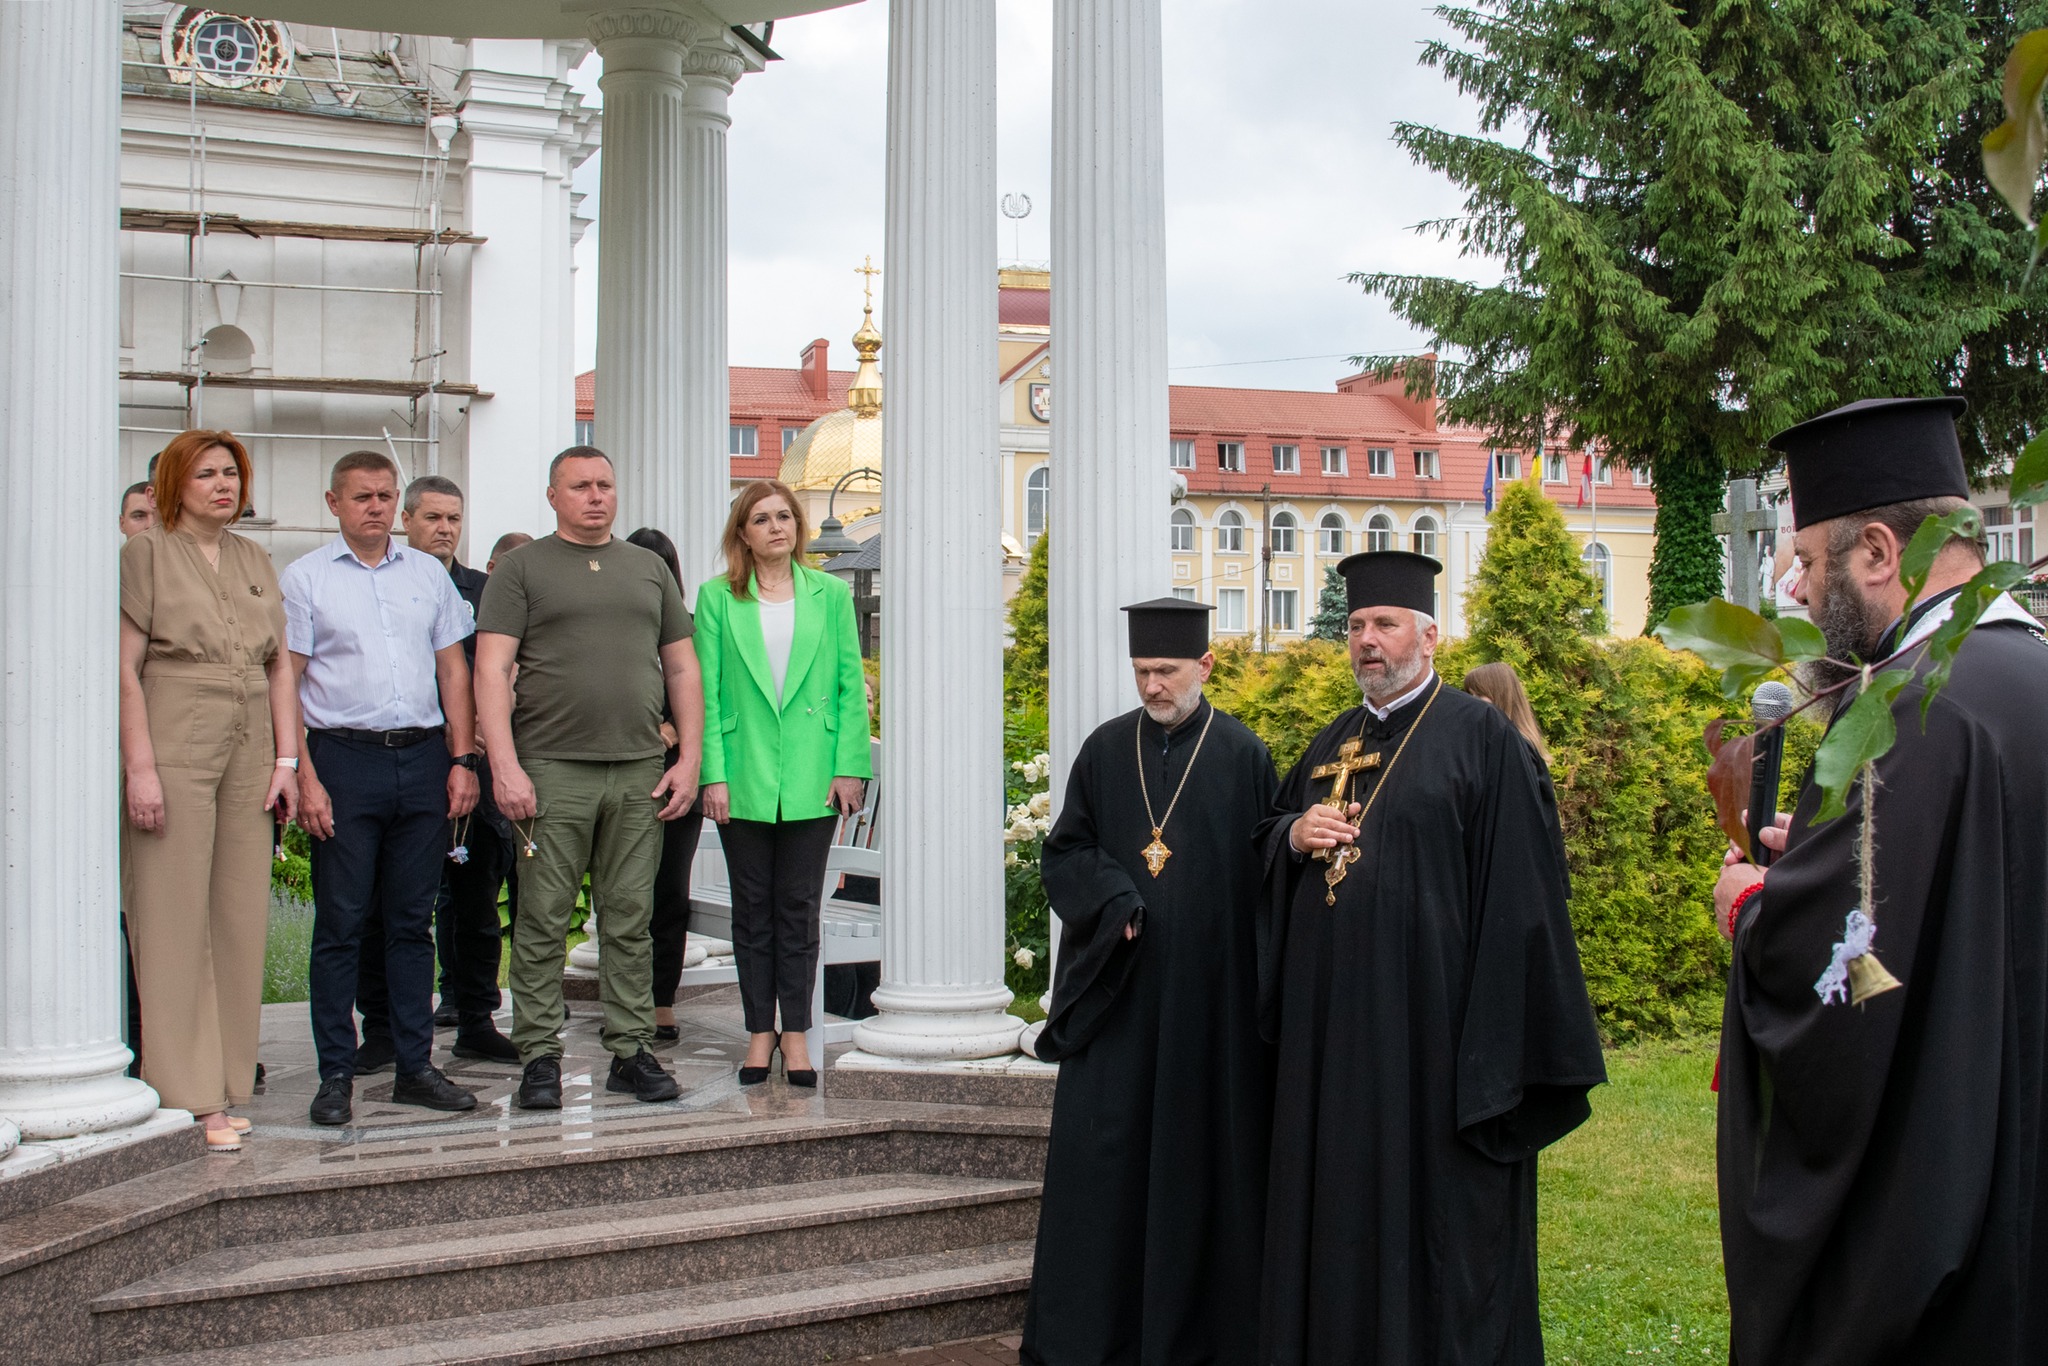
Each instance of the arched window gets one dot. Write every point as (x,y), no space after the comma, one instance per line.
(1379,532)
(228,350)
(1600,564)
(1230,533)
(1284,528)
(1181,529)
(1330,534)
(1037,487)
(1424,538)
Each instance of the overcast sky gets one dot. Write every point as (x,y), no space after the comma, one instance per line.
(1281,176)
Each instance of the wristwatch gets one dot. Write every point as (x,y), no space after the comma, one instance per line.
(472,762)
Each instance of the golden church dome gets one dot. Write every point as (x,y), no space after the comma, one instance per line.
(851,438)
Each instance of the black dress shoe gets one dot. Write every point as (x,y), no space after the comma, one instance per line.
(643,1076)
(432,1090)
(667,1033)
(484,1043)
(753,1076)
(540,1086)
(375,1054)
(447,1017)
(336,1102)
(259,1077)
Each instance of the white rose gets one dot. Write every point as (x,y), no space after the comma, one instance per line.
(1040,805)
(1010,860)
(1024,958)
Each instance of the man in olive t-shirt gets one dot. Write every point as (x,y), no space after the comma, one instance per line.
(599,636)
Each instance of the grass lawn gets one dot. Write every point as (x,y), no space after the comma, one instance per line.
(1629,1242)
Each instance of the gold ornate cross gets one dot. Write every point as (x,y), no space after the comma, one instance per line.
(871,270)
(1349,761)
(1156,853)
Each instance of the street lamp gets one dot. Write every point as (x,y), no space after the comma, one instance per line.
(832,538)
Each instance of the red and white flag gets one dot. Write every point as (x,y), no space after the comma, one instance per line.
(1586,480)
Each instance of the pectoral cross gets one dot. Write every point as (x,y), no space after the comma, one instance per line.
(1156,853)
(1349,761)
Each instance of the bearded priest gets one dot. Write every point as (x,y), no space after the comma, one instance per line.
(1418,971)
(1155,1179)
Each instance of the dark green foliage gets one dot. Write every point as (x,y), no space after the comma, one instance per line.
(1687,563)
(1711,221)
(1332,609)
(1532,603)
(1024,660)
(1026,913)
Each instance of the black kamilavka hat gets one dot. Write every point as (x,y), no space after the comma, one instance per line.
(1872,453)
(1390,578)
(1169,628)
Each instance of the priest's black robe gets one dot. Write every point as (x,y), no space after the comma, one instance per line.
(1155,1180)
(1434,1035)
(1884,1167)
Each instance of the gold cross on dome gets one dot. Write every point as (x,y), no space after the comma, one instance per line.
(869,269)
(1347,762)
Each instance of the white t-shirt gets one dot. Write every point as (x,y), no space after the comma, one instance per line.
(778,632)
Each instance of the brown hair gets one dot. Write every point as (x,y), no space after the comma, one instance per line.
(739,559)
(1497,683)
(374,461)
(174,465)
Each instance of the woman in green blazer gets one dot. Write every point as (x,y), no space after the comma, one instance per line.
(785,754)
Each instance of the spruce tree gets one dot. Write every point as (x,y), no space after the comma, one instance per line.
(1714,220)
(1024,661)
(1333,609)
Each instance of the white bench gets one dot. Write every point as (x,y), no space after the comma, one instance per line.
(852,930)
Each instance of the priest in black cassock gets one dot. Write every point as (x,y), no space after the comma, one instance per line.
(1155,1180)
(1418,971)
(1884,1119)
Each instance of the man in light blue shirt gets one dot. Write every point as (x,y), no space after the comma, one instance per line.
(375,631)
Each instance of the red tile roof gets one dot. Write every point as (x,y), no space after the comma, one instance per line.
(1028,307)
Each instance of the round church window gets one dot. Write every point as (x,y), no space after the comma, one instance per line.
(225,46)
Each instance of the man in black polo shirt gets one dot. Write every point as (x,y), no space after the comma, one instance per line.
(467,932)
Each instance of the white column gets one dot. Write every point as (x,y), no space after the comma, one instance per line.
(690,498)
(642,301)
(942,994)
(515,109)
(61,1057)
(1110,483)
(1110,427)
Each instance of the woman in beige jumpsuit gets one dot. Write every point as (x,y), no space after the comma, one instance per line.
(209,748)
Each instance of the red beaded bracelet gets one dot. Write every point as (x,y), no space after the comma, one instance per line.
(1735,906)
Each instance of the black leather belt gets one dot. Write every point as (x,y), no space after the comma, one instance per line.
(386,739)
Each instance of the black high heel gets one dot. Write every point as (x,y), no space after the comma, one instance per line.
(754,1076)
(797,1076)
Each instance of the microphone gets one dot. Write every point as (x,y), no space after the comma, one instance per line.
(1772,702)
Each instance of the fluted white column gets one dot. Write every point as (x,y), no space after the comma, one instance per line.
(942,994)
(643,308)
(62,1062)
(1110,427)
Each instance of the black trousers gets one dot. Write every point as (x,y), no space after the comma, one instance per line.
(670,922)
(777,870)
(468,937)
(389,842)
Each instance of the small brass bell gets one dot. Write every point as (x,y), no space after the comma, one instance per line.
(1868,978)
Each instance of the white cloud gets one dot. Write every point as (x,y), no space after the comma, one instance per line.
(1281,176)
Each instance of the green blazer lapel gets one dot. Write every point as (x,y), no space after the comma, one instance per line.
(753,646)
(810,628)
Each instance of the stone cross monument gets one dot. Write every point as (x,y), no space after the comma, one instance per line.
(1743,524)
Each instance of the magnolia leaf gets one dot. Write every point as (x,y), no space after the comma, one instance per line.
(1917,561)
(1978,594)
(1802,639)
(1728,781)
(2029,482)
(2013,151)
(1861,735)
(1734,640)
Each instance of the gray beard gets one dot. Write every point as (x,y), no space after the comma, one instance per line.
(1398,679)
(1171,713)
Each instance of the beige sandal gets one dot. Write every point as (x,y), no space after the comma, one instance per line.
(223,1141)
(239,1125)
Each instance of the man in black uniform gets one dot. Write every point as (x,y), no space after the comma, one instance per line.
(1884,1160)
(1155,1181)
(467,936)
(1418,970)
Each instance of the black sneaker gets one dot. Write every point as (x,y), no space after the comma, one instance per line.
(336,1102)
(481,1040)
(643,1076)
(540,1086)
(431,1089)
(447,1017)
(375,1054)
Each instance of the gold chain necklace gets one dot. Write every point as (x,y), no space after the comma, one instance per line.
(1343,856)
(1156,853)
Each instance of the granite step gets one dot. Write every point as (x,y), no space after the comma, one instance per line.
(793,1318)
(254,1293)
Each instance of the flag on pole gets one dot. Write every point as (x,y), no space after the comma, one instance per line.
(1491,461)
(1586,480)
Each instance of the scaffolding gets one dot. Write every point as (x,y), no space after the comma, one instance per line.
(429,241)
